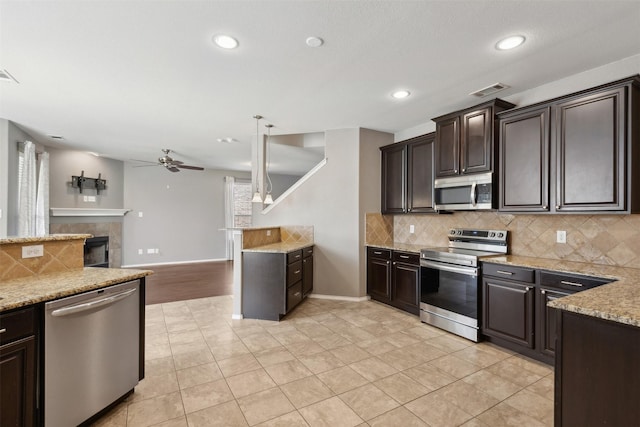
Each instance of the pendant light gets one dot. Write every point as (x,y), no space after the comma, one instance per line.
(257,198)
(268,199)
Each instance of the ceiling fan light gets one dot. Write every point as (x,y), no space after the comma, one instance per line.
(268,199)
(257,198)
(510,42)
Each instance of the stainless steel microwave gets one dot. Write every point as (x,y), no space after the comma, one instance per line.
(464,192)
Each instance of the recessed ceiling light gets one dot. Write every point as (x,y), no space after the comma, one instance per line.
(228,140)
(225,42)
(401,94)
(314,41)
(510,42)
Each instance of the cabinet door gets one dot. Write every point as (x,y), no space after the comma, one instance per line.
(17,384)
(447,147)
(547,321)
(307,276)
(590,138)
(393,179)
(405,292)
(524,162)
(420,175)
(379,279)
(476,144)
(508,311)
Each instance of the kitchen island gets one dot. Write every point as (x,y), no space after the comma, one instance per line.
(36,272)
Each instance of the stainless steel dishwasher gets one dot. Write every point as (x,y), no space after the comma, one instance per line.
(91,352)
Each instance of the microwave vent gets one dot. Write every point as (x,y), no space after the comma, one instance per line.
(489,90)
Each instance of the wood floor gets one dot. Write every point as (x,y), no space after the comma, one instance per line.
(180,282)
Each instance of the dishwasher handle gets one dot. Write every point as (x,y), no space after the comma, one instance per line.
(91,305)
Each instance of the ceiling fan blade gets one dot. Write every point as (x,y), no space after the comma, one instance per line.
(173,168)
(175,162)
(195,168)
(143,161)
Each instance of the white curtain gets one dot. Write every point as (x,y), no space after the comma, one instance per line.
(228,213)
(33,196)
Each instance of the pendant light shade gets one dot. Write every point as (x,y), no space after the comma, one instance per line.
(268,199)
(257,198)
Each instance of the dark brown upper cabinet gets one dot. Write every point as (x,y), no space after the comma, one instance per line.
(464,141)
(574,153)
(407,176)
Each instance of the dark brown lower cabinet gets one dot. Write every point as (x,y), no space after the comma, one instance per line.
(393,277)
(379,274)
(405,281)
(508,311)
(597,376)
(18,368)
(274,283)
(546,334)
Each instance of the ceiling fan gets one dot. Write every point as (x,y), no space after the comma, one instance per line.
(169,163)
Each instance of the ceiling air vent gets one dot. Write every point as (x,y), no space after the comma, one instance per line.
(4,75)
(489,90)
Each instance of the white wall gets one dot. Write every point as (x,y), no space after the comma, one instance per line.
(183,213)
(4,175)
(330,201)
(577,82)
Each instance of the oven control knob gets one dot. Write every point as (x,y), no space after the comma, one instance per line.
(452,232)
(500,235)
(459,232)
(492,234)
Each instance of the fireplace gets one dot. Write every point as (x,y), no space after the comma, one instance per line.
(96,252)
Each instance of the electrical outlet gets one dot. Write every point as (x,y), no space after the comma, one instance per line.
(140,214)
(92,198)
(268,232)
(412,229)
(33,251)
(140,251)
(150,251)
(561,236)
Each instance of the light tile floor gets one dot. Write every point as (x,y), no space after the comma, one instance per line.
(329,363)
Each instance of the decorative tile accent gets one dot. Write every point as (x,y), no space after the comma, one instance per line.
(599,239)
(252,238)
(296,234)
(63,255)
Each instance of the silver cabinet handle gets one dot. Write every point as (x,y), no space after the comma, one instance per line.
(557,207)
(464,169)
(508,273)
(3,330)
(545,207)
(404,256)
(377,253)
(296,272)
(93,304)
(564,282)
(296,294)
(543,292)
(527,288)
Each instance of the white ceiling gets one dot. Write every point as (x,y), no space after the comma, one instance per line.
(127,78)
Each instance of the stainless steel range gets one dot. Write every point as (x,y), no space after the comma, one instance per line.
(450,279)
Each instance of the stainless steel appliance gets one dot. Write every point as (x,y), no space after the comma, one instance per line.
(91,354)
(465,192)
(449,286)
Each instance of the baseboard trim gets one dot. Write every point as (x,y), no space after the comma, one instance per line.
(237,316)
(340,298)
(174,263)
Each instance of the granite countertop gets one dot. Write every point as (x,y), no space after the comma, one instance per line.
(279,247)
(404,247)
(618,301)
(25,291)
(47,238)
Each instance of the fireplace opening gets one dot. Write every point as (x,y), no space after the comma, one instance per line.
(96,252)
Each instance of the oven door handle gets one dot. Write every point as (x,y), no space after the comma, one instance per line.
(468,271)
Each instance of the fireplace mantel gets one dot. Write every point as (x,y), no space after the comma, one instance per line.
(88,212)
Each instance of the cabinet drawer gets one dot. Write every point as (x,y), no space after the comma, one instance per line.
(307,252)
(294,256)
(570,282)
(378,253)
(294,273)
(17,324)
(406,257)
(508,272)
(294,295)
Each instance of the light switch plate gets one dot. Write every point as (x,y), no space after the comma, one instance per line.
(412,229)
(32,251)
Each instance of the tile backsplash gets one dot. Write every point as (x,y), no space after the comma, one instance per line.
(63,255)
(600,239)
